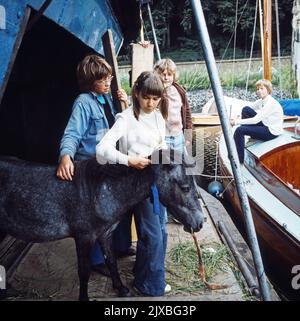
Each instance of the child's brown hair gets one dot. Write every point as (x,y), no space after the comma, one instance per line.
(149,83)
(90,69)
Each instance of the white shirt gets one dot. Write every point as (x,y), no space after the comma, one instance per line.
(136,137)
(269,111)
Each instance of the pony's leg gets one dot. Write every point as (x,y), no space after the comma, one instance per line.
(84,246)
(110,259)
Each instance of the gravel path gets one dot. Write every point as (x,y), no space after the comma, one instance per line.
(198,98)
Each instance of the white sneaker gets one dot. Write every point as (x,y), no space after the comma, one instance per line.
(168,288)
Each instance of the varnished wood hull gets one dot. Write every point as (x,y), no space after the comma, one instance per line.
(280,251)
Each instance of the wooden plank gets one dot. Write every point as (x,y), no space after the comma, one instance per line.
(11,253)
(205,119)
(110,56)
(142,60)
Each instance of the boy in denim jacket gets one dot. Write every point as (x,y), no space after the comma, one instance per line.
(92,115)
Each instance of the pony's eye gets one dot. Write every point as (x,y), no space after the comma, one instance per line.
(185,188)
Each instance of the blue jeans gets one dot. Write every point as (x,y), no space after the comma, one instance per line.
(257,131)
(121,240)
(149,266)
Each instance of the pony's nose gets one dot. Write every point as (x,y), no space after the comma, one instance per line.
(200,223)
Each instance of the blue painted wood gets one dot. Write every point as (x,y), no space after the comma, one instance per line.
(86,20)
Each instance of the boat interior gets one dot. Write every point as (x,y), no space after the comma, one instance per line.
(284,163)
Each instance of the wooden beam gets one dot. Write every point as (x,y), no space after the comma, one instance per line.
(110,56)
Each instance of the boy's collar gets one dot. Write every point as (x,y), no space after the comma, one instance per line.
(100,98)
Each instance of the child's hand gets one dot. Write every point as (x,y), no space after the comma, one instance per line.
(123,96)
(65,170)
(138,162)
(144,43)
(232,122)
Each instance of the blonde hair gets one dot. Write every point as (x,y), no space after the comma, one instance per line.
(149,83)
(165,64)
(265,83)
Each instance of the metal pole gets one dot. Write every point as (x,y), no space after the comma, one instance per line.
(252,285)
(153,31)
(232,153)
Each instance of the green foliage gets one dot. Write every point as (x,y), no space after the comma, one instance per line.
(194,80)
(125,85)
(183,55)
(198,79)
(174,24)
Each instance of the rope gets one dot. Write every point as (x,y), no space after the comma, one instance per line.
(261,29)
(221,194)
(233,32)
(278,46)
(142,25)
(213,176)
(252,44)
(216,163)
(234,42)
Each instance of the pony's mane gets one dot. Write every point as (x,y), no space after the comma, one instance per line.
(89,174)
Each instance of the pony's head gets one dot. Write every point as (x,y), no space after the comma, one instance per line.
(177,187)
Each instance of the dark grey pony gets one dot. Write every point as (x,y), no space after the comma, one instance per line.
(36,206)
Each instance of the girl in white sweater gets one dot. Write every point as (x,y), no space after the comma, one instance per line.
(140,130)
(261,121)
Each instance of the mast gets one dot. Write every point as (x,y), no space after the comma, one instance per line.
(267,40)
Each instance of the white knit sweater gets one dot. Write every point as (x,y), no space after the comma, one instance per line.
(269,111)
(136,137)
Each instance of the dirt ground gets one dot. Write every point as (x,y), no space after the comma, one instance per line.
(49,272)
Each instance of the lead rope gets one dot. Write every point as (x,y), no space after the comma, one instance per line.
(210,286)
(142,25)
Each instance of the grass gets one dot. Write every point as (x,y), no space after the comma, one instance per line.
(192,80)
(183,267)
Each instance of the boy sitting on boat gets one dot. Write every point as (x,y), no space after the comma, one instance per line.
(264,120)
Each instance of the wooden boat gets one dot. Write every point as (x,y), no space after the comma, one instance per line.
(272,182)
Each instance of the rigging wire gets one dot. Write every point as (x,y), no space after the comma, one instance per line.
(222,58)
(252,44)
(234,43)
(261,24)
(216,162)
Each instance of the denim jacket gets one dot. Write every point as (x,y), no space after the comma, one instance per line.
(86,127)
